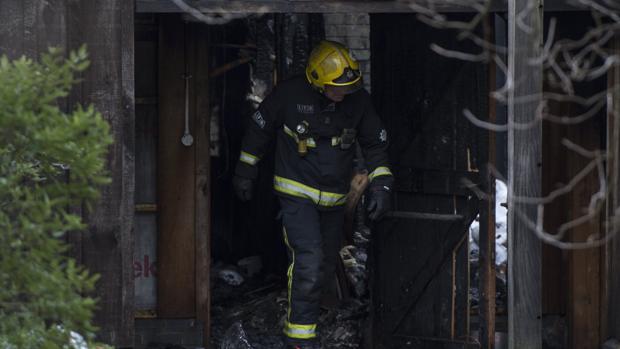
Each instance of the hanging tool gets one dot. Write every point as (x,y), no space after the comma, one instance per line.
(303,134)
(187,139)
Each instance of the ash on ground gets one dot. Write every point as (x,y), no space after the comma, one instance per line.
(251,315)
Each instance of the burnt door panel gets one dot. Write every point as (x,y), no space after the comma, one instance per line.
(421,271)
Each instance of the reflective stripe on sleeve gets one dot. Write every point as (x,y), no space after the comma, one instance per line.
(380,171)
(248,158)
(299,331)
(300,190)
(309,141)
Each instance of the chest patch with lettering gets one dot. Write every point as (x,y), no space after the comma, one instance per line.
(305,108)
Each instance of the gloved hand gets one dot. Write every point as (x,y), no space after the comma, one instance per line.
(244,187)
(380,203)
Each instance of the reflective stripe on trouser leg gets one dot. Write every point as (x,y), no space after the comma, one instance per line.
(289,272)
(301,222)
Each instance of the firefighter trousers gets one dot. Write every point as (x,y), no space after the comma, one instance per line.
(313,238)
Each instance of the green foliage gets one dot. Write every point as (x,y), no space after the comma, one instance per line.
(49,161)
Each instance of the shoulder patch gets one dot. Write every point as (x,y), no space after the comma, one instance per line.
(258,118)
(383,135)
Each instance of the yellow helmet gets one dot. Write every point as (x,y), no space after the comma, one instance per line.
(331,63)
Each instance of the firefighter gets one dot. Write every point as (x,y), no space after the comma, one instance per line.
(316,119)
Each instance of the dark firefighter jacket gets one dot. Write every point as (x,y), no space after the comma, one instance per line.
(324,173)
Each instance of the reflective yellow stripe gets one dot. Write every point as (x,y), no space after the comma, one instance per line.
(289,272)
(293,188)
(309,141)
(290,329)
(332,199)
(248,158)
(336,141)
(299,331)
(297,189)
(380,171)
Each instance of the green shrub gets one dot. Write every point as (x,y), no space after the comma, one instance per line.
(50,161)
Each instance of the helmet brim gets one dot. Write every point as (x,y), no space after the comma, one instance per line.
(347,88)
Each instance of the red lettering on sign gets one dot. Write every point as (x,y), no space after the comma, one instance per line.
(144,268)
(137,269)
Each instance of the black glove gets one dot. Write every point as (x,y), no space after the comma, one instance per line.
(380,203)
(243,187)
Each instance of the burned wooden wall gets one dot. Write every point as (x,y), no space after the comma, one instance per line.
(421,269)
(277,46)
(106,27)
(573,281)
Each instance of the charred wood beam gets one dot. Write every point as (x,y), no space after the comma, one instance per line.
(305,6)
(228,66)
(424,215)
(198,65)
(486,259)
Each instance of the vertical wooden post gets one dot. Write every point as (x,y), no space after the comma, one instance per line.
(613,203)
(486,259)
(200,67)
(107,28)
(524,175)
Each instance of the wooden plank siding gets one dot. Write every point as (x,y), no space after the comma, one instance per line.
(584,266)
(524,178)
(28,28)
(106,27)
(612,261)
(573,279)
(184,186)
(555,277)
(175,179)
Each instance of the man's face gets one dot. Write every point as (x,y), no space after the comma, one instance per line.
(336,93)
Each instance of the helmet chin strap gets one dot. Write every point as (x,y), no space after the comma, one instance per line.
(317,89)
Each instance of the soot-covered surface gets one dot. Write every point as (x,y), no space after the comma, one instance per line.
(249,313)
(251,316)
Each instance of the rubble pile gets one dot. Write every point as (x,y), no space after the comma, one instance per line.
(251,316)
